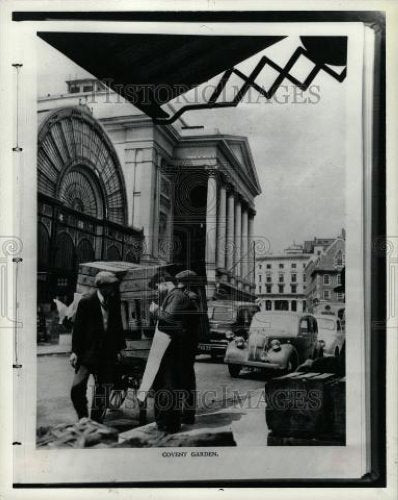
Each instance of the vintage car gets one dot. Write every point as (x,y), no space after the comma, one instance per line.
(228,319)
(277,341)
(331,335)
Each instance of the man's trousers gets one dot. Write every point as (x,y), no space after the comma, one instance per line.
(105,377)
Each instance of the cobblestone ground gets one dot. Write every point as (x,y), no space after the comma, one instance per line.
(216,389)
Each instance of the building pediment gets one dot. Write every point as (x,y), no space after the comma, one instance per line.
(231,154)
(240,148)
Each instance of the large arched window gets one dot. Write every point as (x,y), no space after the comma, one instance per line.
(78,164)
(78,189)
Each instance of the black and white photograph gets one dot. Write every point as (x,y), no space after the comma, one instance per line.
(196,200)
(216,237)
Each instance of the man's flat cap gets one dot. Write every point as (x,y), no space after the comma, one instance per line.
(161,276)
(105,278)
(187,276)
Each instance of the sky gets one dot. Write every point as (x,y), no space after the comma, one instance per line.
(297,142)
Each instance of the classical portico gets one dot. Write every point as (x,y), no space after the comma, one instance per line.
(231,185)
(229,249)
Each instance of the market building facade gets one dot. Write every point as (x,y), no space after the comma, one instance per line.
(113,186)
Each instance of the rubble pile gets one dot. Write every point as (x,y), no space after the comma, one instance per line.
(85,433)
(181,440)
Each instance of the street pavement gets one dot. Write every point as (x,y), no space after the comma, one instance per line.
(218,393)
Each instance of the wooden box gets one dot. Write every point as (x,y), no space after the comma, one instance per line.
(306,405)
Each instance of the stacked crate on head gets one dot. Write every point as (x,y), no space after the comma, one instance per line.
(135,293)
(88,271)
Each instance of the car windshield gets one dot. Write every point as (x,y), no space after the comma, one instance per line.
(274,323)
(222,313)
(326,324)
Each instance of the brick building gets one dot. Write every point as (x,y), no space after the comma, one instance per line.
(324,275)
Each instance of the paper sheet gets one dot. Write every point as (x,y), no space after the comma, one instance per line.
(159,345)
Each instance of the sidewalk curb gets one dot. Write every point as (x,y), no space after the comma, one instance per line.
(52,350)
(242,431)
(148,436)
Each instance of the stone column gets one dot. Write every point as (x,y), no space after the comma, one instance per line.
(211,221)
(245,243)
(147,201)
(222,228)
(238,232)
(155,222)
(250,240)
(230,243)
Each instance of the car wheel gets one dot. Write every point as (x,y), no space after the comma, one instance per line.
(234,370)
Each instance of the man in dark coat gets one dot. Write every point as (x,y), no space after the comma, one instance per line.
(163,283)
(175,385)
(97,340)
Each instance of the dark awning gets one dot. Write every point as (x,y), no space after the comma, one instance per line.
(150,70)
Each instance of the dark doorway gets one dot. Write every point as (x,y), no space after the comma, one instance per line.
(190,220)
(281,305)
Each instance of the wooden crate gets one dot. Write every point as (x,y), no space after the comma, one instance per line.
(134,280)
(338,408)
(306,405)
